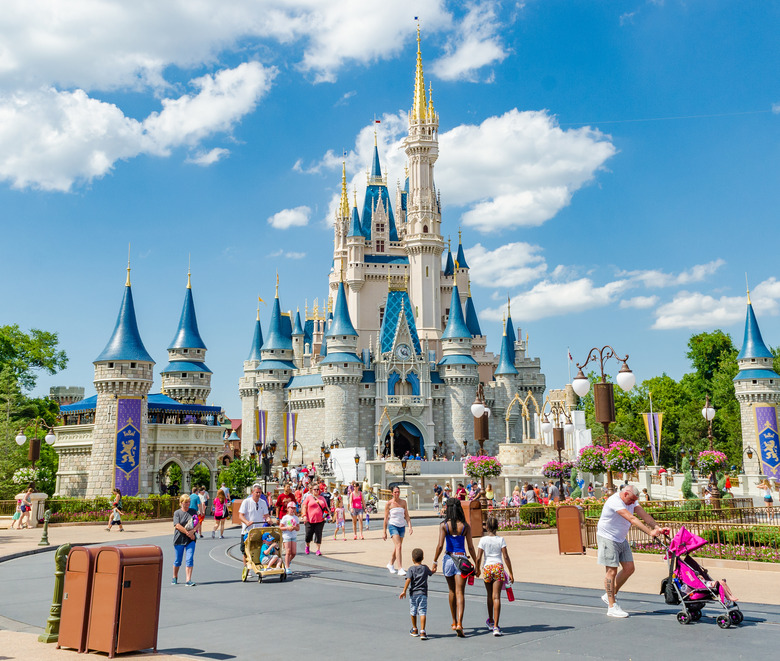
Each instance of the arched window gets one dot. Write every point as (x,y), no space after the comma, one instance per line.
(425,229)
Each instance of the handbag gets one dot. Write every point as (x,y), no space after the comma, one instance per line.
(463,565)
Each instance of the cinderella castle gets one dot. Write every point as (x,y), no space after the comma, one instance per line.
(398,345)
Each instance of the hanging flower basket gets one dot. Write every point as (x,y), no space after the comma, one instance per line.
(557,469)
(592,460)
(484,466)
(711,461)
(623,456)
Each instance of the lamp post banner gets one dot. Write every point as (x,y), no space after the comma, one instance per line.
(261,418)
(128,445)
(768,439)
(291,423)
(653,422)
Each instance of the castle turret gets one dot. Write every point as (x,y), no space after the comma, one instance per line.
(757,388)
(458,369)
(298,340)
(186,377)
(461,266)
(123,378)
(423,241)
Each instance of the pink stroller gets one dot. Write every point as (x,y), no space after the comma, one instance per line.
(689,584)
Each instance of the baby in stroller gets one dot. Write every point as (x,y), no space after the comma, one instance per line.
(690,585)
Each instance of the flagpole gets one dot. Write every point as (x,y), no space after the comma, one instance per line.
(653,450)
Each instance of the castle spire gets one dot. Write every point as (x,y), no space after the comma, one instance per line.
(419,105)
(341,324)
(456,324)
(187,334)
(344,210)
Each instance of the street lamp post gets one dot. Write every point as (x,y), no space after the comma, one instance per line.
(403,469)
(441,443)
(481,415)
(708,413)
(603,392)
(34,452)
(357,463)
(266,453)
(558,410)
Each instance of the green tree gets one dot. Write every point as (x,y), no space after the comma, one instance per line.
(24,353)
(239,475)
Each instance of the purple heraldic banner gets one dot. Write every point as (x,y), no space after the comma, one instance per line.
(768,440)
(128,446)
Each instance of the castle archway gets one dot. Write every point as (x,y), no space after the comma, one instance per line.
(407,438)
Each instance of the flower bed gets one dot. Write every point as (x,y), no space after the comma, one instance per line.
(515,526)
(77,510)
(482,466)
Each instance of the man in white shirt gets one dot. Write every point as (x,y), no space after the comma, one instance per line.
(620,512)
(253,511)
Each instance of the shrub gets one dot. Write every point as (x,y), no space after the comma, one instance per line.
(531,513)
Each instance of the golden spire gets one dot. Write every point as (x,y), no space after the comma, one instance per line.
(503,321)
(508,307)
(330,304)
(306,309)
(375,143)
(747,285)
(354,194)
(431,112)
(258,308)
(127,282)
(277,285)
(316,310)
(449,243)
(189,269)
(460,236)
(419,104)
(344,199)
(189,279)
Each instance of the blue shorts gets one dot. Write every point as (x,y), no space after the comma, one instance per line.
(448,566)
(396,530)
(181,550)
(418,604)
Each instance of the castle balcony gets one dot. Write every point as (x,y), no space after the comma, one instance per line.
(414,403)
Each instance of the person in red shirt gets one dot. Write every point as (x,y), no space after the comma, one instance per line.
(287,496)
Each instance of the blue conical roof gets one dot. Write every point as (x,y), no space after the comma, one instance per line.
(376,170)
(257,343)
(456,324)
(510,331)
(298,330)
(342,324)
(125,342)
(449,268)
(506,359)
(753,344)
(187,336)
(354,225)
(461,258)
(472,321)
(277,337)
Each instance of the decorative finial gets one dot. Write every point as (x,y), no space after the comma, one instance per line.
(388,279)
(375,143)
(449,243)
(508,307)
(127,282)
(526,340)
(419,103)
(748,288)
(189,271)
(276,295)
(503,323)
(306,309)
(330,304)
(460,236)
(406,282)
(344,198)
(354,193)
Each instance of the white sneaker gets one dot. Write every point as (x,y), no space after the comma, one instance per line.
(605,599)
(616,611)
(390,568)
(402,572)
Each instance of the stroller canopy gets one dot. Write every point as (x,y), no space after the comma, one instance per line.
(685,542)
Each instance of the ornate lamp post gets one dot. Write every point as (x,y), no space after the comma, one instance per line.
(403,469)
(441,443)
(34,453)
(267,452)
(708,413)
(603,392)
(285,463)
(558,410)
(357,463)
(335,443)
(481,415)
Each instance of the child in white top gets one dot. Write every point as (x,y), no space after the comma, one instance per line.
(289,525)
(339,518)
(496,570)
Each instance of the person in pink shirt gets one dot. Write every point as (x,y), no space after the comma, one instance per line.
(313,512)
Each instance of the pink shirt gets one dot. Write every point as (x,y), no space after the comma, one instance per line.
(314,507)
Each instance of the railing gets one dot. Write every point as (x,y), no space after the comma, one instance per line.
(7,507)
(730,541)
(384,494)
(655,478)
(405,400)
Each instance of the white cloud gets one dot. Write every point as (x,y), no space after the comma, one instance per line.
(695,310)
(287,218)
(51,139)
(476,44)
(639,302)
(550,299)
(654,278)
(517,169)
(209,157)
(287,254)
(776,108)
(510,265)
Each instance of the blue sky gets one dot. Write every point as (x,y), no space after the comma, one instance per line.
(613,165)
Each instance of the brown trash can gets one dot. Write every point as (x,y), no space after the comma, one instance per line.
(474,517)
(569,521)
(235,505)
(125,609)
(77,593)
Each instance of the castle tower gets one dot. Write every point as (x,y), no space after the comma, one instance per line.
(423,242)
(186,377)
(341,373)
(458,370)
(249,390)
(274,371)
(757,388)
(505,388)
(123,377)
(461,266)
(298,341)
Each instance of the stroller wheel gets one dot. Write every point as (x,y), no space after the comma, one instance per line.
(724,621)
(683,617)
(283,577)
(736,617)
(244,574)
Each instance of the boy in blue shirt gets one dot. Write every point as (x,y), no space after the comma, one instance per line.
(268,551)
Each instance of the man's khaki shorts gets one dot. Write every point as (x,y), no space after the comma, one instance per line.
(611,554)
